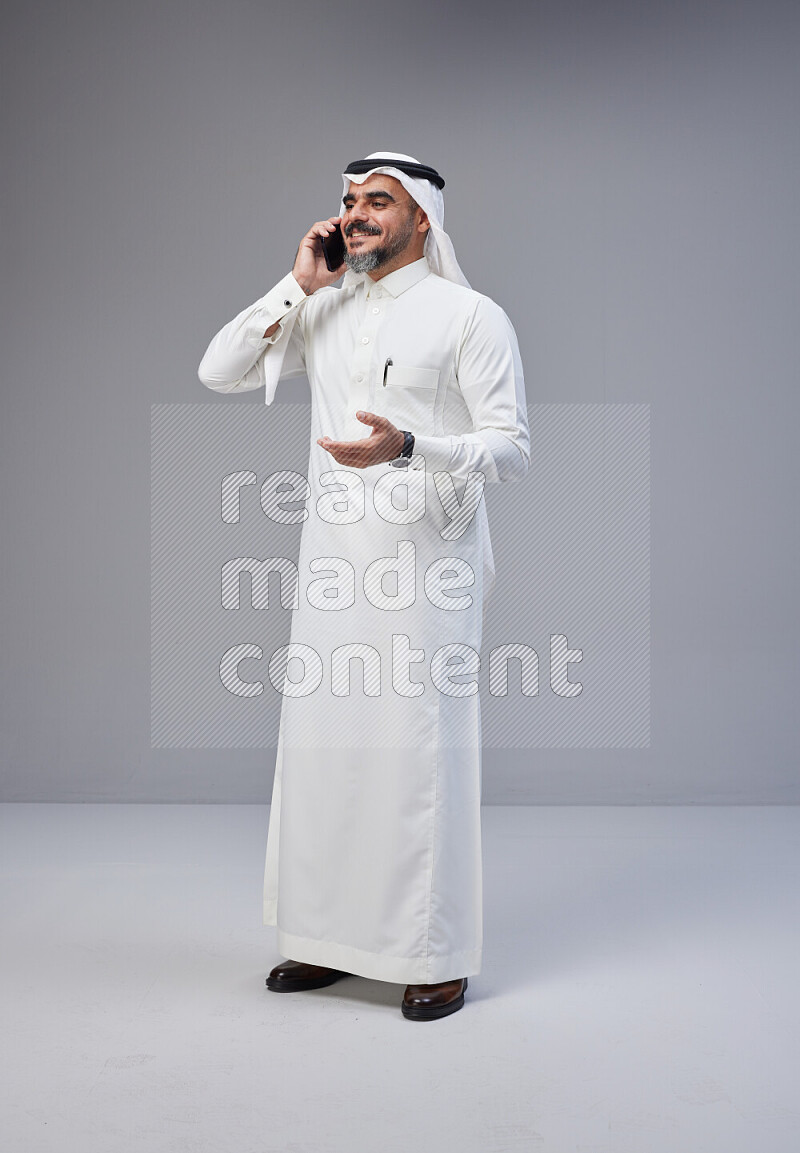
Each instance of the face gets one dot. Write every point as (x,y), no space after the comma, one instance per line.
(382,226)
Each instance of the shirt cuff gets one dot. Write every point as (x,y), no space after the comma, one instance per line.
(432,453)
(286,296)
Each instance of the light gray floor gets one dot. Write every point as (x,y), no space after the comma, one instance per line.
(638,994)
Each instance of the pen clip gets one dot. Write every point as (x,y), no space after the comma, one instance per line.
(386,369)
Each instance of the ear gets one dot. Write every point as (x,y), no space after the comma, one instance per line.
(423,224)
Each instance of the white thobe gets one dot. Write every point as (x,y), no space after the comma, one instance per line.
(373,860)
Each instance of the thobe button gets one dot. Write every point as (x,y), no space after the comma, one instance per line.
(376,311)
(288,303)
(359,377)
(365,340)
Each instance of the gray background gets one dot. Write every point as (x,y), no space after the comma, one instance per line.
(622,178)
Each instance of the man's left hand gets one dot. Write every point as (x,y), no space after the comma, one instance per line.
(384,443)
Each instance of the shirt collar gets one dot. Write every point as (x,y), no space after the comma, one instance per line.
(401,279)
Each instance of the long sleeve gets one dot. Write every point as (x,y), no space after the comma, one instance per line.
(489,374)
(240,357)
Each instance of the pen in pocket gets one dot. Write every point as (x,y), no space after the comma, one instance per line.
(386,369)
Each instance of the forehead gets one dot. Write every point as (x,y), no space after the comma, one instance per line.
(379,180)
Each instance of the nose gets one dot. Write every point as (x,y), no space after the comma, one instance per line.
(357,211)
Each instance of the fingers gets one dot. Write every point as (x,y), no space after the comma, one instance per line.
(358,453)
(382,423)
(344,447)
(323,227)
(374,449)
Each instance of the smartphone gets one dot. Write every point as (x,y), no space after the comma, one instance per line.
(333,249)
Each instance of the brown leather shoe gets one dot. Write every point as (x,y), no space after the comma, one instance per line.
(427,1002)
(292,976)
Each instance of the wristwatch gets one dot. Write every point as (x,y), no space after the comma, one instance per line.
(408,447)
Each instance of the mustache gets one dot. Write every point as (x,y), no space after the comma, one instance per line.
(369,229)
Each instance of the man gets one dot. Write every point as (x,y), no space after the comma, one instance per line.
(373,861)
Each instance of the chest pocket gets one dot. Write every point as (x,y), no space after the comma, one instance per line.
(408,397)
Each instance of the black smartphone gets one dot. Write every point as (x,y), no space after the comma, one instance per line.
(333,249)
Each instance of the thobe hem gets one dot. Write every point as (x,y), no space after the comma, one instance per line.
(377,966)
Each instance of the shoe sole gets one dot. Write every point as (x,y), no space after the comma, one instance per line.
(297,984)
(420,1013)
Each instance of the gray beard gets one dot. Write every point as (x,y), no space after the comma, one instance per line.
(365,261)
(369,261)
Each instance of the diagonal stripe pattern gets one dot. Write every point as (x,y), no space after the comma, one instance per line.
(568,619)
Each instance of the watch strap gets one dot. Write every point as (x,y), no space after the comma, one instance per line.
(408,443)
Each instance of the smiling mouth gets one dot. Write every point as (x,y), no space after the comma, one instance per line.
(357,234)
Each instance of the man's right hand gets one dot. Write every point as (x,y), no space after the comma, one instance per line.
(310,270)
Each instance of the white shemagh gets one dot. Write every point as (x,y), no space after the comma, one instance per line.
(438,249)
